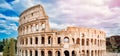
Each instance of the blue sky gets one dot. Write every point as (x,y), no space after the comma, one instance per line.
(100,14)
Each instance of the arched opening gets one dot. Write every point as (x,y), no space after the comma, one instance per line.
(88,53)
(43,26)
(92,41)
(78,41)
(26,41)
(37,27)
(83,42)
(91,53)
(30,40)
(42,53)
(57,53)
(73,40)
(36,53)
(95,52)
(36,40)
(42,40)
(30,53)
(59,40)
(66,40)
(49,40)
(73,53)
(49,53)
(95,41)
(83,35)
(87,42)
(83,52)
(26,53)
(66,53)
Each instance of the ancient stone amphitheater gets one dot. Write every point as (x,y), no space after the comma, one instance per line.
(37,39)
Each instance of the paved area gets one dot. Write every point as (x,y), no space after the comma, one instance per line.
(112,54)
(1,53)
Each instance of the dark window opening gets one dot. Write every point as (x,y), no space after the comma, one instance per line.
(59,40)
(36,40)
(42,40)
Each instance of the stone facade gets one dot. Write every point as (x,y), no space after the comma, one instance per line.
(37,39)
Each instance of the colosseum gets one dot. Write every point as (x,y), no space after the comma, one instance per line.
(35,37)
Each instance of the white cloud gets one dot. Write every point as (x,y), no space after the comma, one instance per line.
(9,18)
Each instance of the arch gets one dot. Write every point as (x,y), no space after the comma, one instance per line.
(95,41)
(59,40)
(43,26)
(73,40)
(42,53)
(78,41)
(42,40)
(36,53)
(49,53)
(49,39)
(88,53)
(36,40)
(26,53)
(73,53)
(66,53)
(30,40)
(66,40)
(30,53)
(92,53)
(26,41)
(57,53)
(36,27)
(92,41)
(87,42)
(83,35)
(83,42)
(83,52)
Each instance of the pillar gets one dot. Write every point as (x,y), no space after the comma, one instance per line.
(46,39)
(39,52)
(39,40)
(46,52)
(28,53)
(53,52)
(33,52)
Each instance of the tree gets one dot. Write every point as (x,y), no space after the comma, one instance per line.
(6,49)
(9,48)
(12,47)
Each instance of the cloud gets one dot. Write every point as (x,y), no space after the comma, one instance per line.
(101,14)
(4,4)
(9,18)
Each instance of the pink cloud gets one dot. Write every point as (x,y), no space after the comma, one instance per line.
(115,3)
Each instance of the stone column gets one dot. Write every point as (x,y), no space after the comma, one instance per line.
(33,28)
(33,40)
(28,28)
(70,52)
(89,52)
(24,53)
(39,27)
(46,40)
(28,41)
(53,52)
(46,52)
(39,40)
(28,53)
(39,52)
(33,52)
(62,53)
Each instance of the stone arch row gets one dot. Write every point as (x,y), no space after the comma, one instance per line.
(61,53)
(50,39)
(31,28)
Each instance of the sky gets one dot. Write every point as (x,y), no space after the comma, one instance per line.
(100,14)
